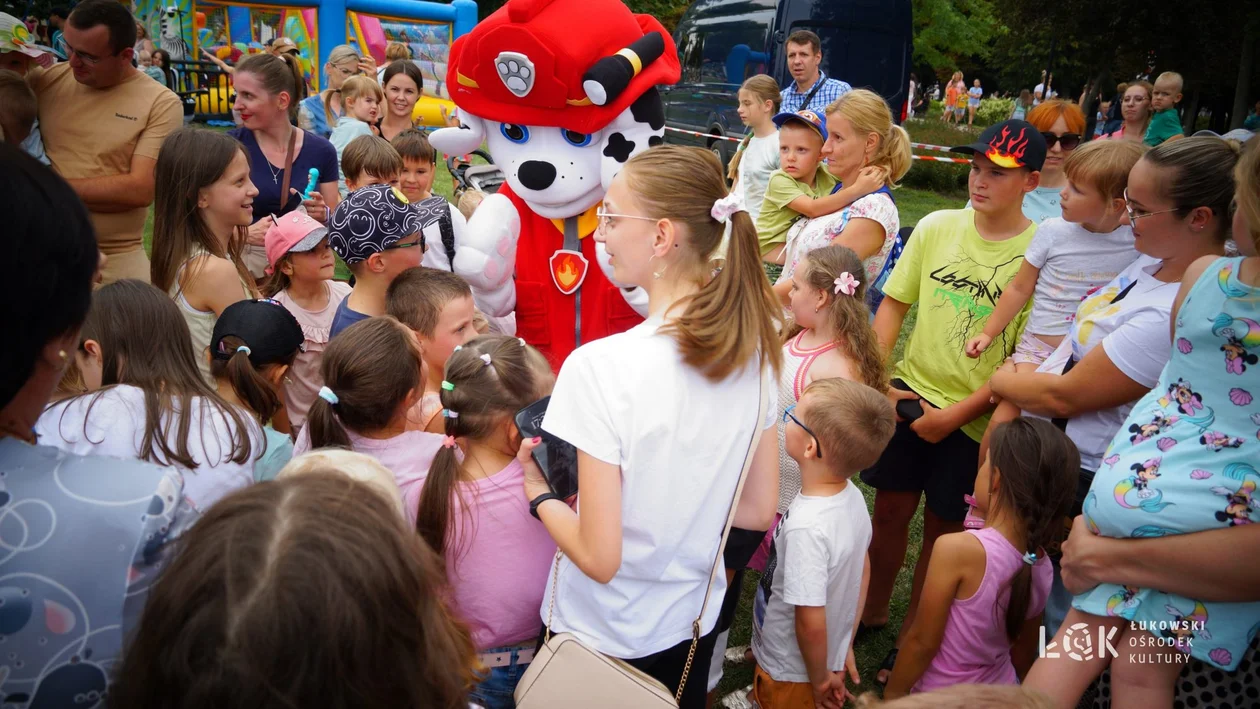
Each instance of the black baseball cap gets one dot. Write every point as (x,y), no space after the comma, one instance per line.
(1010,143)
(266,328)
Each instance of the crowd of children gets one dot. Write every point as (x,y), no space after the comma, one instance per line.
(418,565)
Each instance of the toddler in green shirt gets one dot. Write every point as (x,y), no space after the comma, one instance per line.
(1165,124)
(801,187)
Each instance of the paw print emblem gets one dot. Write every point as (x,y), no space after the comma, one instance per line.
(516,71)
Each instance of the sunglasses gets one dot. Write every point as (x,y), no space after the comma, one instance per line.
(787,414)
(1069,141)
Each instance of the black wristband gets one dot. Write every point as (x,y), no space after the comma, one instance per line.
(534,503)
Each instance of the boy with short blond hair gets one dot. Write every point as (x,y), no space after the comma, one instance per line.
(809,599)
(1165,125)
(370,160)
(438,306)
(18,108)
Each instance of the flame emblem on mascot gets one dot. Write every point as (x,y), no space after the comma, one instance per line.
(561,108)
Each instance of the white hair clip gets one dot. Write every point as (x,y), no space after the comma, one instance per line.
(727,206)
(486,358)
(521,340)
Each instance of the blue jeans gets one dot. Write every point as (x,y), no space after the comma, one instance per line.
(498,683)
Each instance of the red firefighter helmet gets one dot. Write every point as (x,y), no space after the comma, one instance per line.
(575,64)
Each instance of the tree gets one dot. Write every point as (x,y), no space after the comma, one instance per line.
(949,31)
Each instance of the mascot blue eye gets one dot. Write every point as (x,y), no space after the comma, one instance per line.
(576,139)
(515,133)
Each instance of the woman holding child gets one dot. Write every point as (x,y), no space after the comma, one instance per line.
(1178,199)
(680,392)
(860,135)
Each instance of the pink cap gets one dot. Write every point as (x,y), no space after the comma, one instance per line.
(293,232)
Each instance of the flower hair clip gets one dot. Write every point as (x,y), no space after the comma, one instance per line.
(726,207)
(1030,558)
(846,284)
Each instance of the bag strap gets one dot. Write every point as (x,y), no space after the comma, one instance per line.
(288,166)
(726,530)
(717,561)
(810,96)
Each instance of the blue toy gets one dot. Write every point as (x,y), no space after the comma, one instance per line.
(311,184)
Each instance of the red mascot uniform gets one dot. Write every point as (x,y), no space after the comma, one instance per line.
(561,108)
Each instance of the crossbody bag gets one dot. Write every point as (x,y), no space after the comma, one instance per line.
(567,673)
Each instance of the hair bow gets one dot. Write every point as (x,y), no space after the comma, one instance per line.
(846,284)
(725,207)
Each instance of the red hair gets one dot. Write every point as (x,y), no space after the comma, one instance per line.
(1047,112)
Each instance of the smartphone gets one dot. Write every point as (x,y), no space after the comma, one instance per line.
(556,458)
(908,409)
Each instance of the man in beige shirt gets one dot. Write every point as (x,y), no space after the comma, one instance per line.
(103,123)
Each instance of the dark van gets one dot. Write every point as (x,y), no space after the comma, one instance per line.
(866,43)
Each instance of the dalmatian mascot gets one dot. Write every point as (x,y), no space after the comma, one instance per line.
(564,93)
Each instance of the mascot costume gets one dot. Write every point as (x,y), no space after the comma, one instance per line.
(564,93)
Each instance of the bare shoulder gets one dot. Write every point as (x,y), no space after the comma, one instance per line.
(832,365)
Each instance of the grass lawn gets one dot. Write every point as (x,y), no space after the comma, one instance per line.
(913,204)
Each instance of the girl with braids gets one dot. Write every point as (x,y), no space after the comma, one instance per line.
(985,589)
(469,507)
(758,153)
(373,375)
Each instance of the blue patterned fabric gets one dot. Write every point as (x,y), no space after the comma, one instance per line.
(831,89)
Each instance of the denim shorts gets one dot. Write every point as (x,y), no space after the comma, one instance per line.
(498,684)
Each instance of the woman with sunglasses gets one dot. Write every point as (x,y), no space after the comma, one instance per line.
(1061,123)
(1178,200)
(343,63)
(1135,109)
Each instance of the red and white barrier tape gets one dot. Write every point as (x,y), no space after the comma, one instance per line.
(924,146)
(933,158)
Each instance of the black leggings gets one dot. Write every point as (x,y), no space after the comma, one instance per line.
(667,666)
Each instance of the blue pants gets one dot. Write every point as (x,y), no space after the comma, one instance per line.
(498,683)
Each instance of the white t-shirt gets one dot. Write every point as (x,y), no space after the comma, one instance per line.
(114,419)
(680,441)
(761,157)
(1074,262)
(1135,335)
(816,560)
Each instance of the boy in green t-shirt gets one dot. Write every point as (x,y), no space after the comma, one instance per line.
(955,267)
(800,188)
(1165,125)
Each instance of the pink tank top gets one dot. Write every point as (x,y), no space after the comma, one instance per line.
(974,649)
(792,378)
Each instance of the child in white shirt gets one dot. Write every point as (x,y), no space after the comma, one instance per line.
(808,601)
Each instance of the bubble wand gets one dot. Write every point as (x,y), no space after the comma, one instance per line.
(311,184)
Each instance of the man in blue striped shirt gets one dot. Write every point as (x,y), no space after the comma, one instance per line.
(811,89)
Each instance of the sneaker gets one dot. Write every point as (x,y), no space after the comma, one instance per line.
(972,520)
(737,655)
(738,699)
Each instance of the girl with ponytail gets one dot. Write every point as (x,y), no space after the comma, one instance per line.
(758,153)
(471,512)
(662,416)
(373,375)
(252,348)
(986,588)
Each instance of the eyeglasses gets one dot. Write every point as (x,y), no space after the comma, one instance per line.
(85,58)
(400,245)
(787,414)
(605,219)
(1069,141)
(1135,215)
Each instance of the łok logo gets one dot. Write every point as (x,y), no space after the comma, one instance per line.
(1078,644)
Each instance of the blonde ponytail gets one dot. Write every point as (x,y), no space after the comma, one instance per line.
(733,316)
